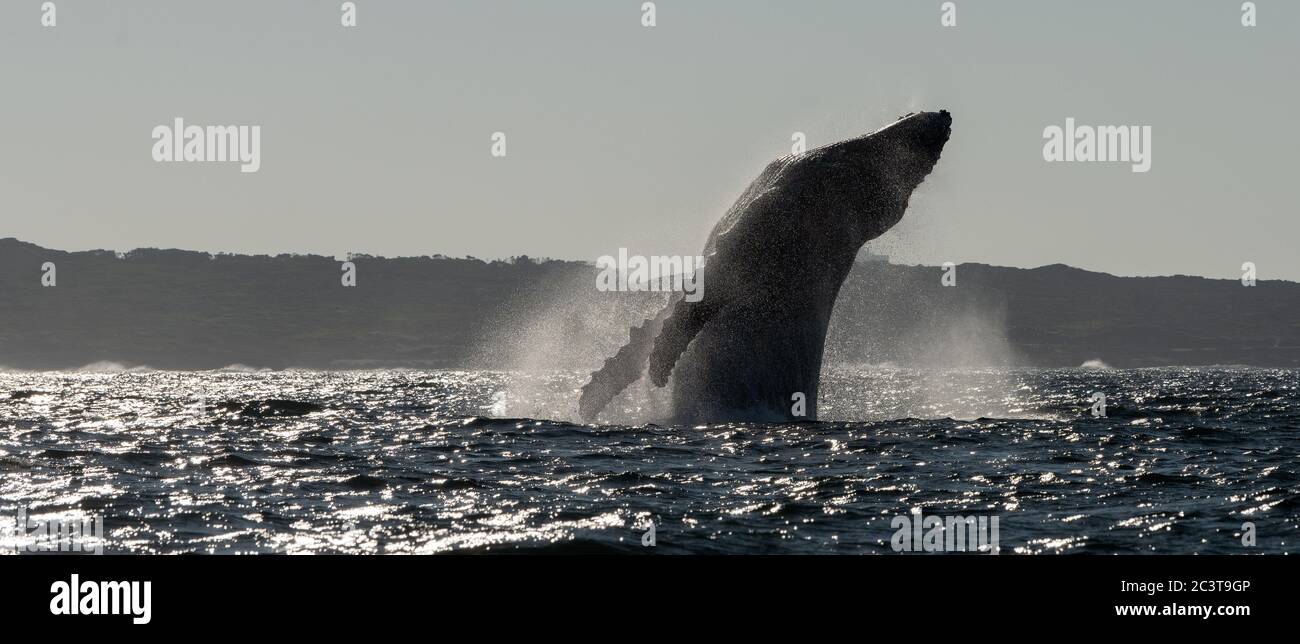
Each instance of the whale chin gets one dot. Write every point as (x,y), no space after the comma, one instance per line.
(751,348)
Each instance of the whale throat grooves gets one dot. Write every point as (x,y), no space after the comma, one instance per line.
(751,348)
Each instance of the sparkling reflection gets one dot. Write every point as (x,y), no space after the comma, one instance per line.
(421,462)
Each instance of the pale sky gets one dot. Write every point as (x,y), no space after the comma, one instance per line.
(376,139)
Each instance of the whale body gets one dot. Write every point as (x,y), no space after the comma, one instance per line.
(751,348)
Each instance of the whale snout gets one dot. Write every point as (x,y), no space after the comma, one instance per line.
(916,139)
(929,131)
(908,150)
(867,181)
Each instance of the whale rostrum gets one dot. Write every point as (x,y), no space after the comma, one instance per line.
(751,348)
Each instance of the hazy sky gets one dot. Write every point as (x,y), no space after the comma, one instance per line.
(376,139)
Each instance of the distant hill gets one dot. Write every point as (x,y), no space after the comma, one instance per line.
(173,309)
(1062,316)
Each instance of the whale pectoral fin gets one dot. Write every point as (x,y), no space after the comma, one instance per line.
(621,370)
(679,329)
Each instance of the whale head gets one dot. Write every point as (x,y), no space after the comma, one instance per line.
(864,183)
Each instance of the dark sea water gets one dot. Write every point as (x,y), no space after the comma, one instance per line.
(445,461)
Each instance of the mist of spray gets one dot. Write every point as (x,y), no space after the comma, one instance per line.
(551,336)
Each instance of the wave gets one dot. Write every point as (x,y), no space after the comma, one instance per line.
(108,366)
(242,368)
(100,366)
(1095,363)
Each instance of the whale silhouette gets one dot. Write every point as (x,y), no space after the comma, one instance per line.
(751,348)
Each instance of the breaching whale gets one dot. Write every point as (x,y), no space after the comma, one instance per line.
(751,348)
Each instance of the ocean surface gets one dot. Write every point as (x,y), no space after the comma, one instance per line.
(242,461)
